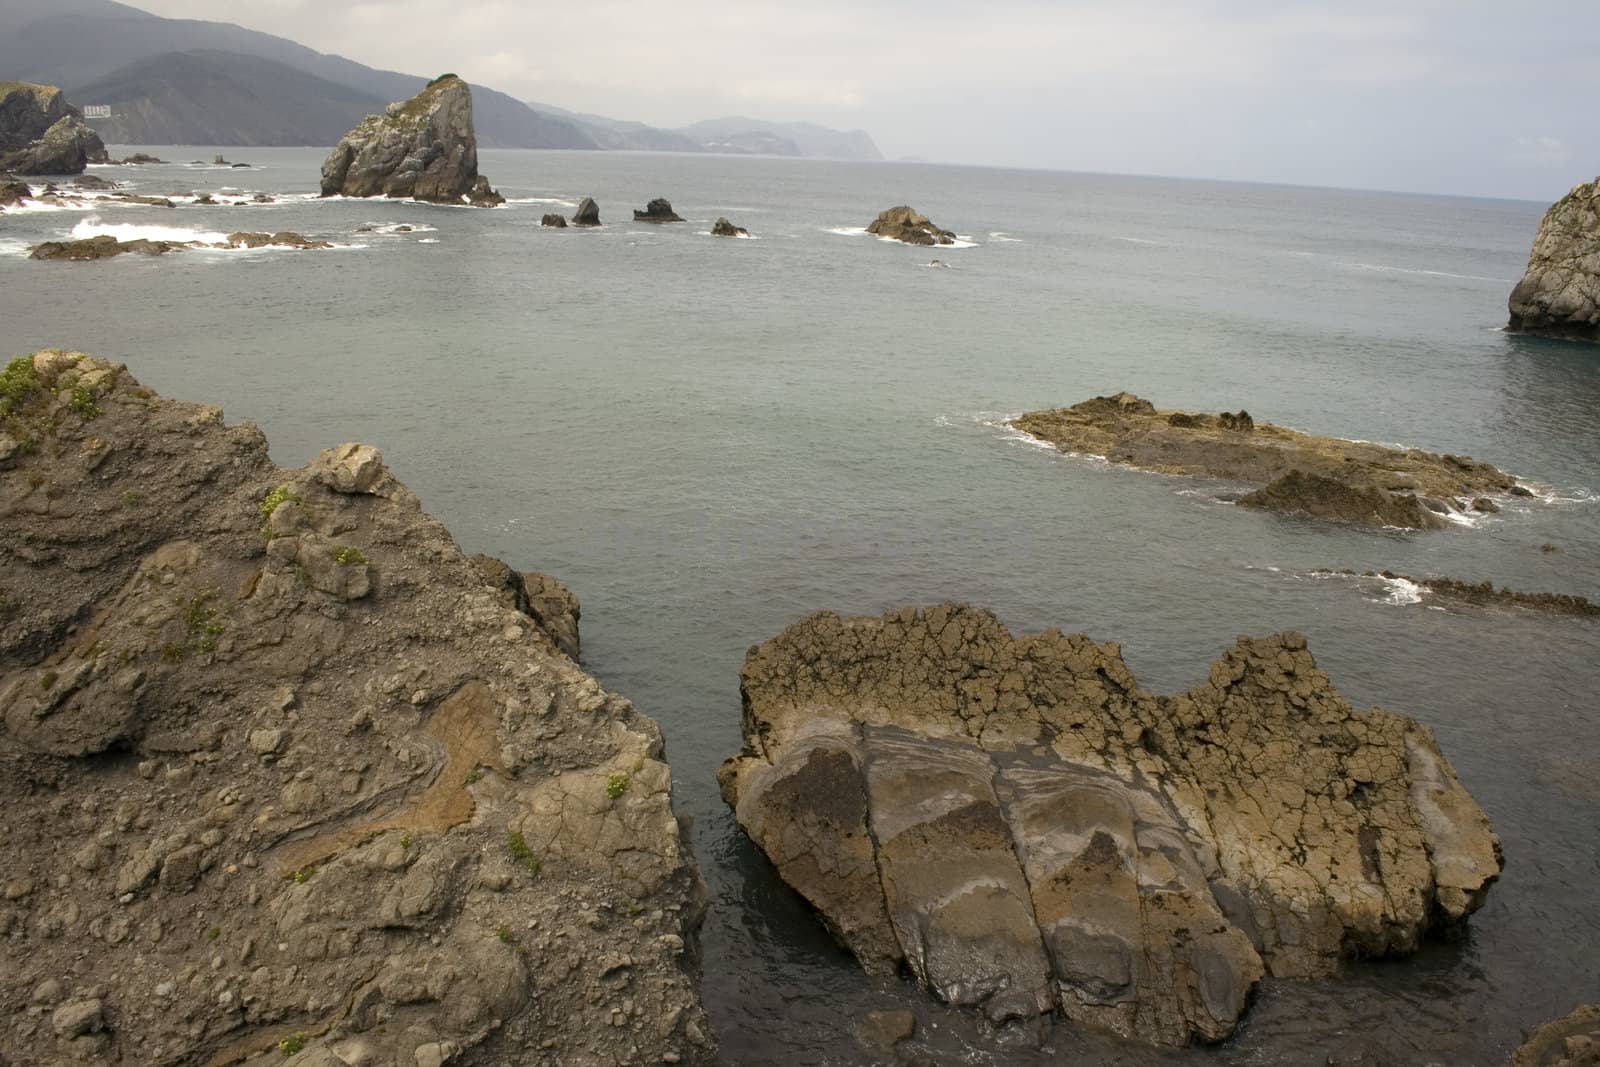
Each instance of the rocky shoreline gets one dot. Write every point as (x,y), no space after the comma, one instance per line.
(1297,474)
(289,773)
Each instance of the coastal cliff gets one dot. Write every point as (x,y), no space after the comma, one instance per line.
(40,133)
(288,773)
(423,149)
(1559,295)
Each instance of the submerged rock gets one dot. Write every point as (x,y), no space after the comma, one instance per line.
(588,213)
(13,192)
(658,210)
(424,149)
(1028,830)
(329,792)
(1573,1041)
(40,133)
(723,228)
(1559,295)
(904,224)
(1484,593)
(1299,474)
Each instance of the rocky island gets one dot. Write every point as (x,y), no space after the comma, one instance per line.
(588,213)
(723,228)
(422,149)
(40,133)
(288,775)
(1297,474)
(1026,829)
(904,224)
(657,210)
(1559,295)
(105,246)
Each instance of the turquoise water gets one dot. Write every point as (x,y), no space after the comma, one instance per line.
(709,438)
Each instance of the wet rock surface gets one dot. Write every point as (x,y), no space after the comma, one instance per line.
(1559,294)
(1573,1041)
(1298,474)
(287,774)
(1027,830)
(424,149)
(588,213)
(723,228)
(658,210)
(1485,593)
(554,221)
(904,224)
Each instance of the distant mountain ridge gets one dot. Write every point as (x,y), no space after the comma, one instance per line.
(194,81)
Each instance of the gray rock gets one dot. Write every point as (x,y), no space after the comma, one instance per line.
(658,210)
(424,148)
(723,228)
(554,221)
(78,1017)
(1559,295)
(40,133)
(588,213)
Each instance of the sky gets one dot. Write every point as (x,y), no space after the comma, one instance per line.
(1463,97)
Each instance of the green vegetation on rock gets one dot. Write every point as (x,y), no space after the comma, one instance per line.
(522,853)
(18,382)
(616,785)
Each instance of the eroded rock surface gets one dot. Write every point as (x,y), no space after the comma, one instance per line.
(423,149)
(1028,830)
(1298,474)
(904,224)
(1559,295)
(1573,1041)
(657,210)
(283,771)
(40,133)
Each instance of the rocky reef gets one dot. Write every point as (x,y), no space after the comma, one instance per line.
(288,774)
(424,149)
(1559,295)
(40,133)
(657,210)
(723,228)
(105,246)
(1027,830)
(1484,594)
(1298,474)
(904,224)
(1573,1041)
(588,213)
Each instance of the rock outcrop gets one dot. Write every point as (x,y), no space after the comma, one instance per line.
(105,246)
(904,224)
(1559,295)
(286,775)
(40,133)
(423,149)
(1026,829)
(1298,474)
(13,192)
(554,221)
(588,213)
(1573,1041)
(658,210)
(1484,594)
(723,228)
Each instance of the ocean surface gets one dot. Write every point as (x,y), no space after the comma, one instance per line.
(708,439)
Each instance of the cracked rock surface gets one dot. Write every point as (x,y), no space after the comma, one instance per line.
(285,773)
(1559,295)
(1028,830)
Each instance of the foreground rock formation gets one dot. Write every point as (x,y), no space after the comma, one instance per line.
(1028,830)
(1559,295)
(1299,474)
(657,210)
(105,246)
(423,149)
(40,133)
(904,224)
(1573,1041)
(723,228)
(285,774)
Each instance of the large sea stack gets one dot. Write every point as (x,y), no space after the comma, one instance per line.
(422,149)
(904,224)
(40,133)
(290,779)
(1028,830)
(1559,295)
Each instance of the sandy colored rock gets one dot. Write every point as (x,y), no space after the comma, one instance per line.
(1559,294)
(1297,474)
(1573,1041)
(1026,829)
(904,224)
(283,767)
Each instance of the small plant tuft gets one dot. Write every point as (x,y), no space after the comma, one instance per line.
(405,840)
(132,498)
(84,402)
(47,680)
(474,775)
(18,382)
(292,1045)
(504,933)
(523,854)
(213,933)
(276,499)
(303,875)
(616,785)
(201,627)
(347,555)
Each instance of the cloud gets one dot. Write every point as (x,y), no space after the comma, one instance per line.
(1539,152)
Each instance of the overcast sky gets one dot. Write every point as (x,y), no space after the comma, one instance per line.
(1481,98)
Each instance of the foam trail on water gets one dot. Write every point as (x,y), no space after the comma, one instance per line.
(128,231)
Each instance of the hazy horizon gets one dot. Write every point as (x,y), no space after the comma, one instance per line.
(1470,99)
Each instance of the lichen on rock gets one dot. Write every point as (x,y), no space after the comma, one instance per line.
(1027,829)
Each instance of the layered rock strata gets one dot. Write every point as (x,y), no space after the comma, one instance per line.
(904,224)
(285,774)
(422,149)
(1559,295)
(1298,474)
(40,133)
(1028,830)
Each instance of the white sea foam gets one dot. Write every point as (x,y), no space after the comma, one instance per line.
(848,231)
(394,227)
(93,226)
(541,200)
(1386,269)
(1001,237)
(736,236)
(1398,591)
(1001,425)
(1139,240)
(34,207)
(13,248)
(428,241)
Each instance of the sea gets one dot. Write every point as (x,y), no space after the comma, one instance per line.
(708,439)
